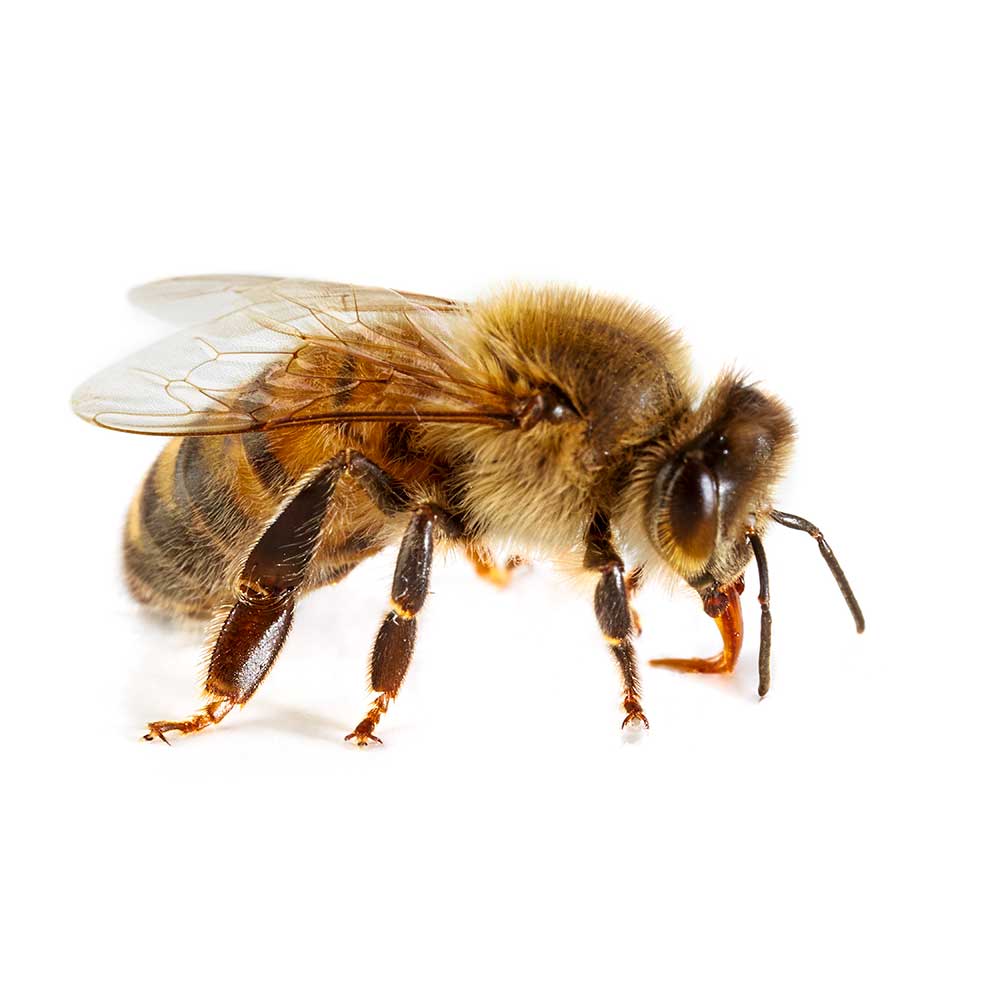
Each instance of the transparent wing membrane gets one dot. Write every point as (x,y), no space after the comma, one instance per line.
(269,352)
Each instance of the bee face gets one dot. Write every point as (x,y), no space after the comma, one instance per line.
(713,478)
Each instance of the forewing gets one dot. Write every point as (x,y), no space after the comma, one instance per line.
(203,297)
(274,352)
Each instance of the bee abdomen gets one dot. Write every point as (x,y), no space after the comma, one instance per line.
(201,505)
(201,508)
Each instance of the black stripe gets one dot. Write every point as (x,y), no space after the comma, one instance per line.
(265,464)
(397,446)
(181,549)
(196,489)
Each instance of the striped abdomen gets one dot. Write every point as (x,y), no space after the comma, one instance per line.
(203,505)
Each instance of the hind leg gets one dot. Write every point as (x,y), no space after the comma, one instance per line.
(247,644)
(250,633)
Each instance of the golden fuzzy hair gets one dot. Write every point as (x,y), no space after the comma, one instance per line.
(620,367)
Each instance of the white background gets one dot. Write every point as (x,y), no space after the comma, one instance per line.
(808,191)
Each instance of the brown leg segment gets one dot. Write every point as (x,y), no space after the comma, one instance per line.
(393,647)
(614,613)
(724,607)
(254,629)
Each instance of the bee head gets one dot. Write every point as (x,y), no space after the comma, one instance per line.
(709,481)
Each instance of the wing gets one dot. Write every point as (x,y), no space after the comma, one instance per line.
(203,297)
(273,352)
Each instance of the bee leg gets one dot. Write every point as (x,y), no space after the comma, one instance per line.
(723,606)
(393,646)
(214,711)
(614,613)
(615,618)
(250,633)
(482,560)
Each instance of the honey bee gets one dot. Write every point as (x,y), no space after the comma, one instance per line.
(313,424)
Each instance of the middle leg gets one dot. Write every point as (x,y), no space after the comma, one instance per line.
(393,647)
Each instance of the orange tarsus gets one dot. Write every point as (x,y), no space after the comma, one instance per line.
(364,731)
(724,608)
(212,713)
(635,713)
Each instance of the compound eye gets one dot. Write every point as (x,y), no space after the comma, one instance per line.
(691,511)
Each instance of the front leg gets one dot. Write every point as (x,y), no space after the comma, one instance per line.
(614,613)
